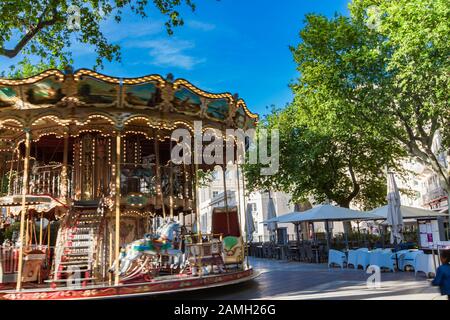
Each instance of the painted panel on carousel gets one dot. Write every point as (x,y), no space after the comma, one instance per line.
(43,93)
(218,109)
(186,101)
(145,95)
(240,117)
(91,91)
(8,97)
(250,123)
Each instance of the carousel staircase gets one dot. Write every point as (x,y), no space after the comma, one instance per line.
(77,241)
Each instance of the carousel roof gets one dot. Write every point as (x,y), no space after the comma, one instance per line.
(86,92)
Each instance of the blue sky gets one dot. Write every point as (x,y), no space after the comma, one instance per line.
(239,46)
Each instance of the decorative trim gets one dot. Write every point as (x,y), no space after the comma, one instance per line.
(190,86)
(120,81)
(241,103)
(48,73)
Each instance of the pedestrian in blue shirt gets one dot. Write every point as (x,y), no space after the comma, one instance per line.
(442,278)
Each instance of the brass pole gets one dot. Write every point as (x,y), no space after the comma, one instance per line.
(245,208)
(2,172)
(40,231)
(117,205)
(48,234)
(110,254)
(10,184)
(194,192)
(65,175)
(27,231)
(240,211)
(197,211)
(23,211)
(158,176)
(171,183)
(226,197)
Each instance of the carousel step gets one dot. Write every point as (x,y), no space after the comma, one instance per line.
(82,231)
(80,236)
(79,240)
(81,254)
(87,220)
(76,247)
(83,228)
(81,257)
(75,263)
(87,225)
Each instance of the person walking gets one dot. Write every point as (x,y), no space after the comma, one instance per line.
(442,279)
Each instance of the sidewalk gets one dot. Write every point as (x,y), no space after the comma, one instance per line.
(346,284)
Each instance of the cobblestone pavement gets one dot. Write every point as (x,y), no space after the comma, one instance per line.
(297,281)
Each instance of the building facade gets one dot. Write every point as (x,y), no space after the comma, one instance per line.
(257,203)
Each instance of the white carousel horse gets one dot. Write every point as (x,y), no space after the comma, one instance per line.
(160,244)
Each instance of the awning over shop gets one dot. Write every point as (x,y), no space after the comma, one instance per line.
(327,213)
(410,213)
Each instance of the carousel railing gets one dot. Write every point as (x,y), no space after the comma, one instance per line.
(146,179)
(45,179)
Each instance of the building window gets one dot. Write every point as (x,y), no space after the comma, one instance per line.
(215,194)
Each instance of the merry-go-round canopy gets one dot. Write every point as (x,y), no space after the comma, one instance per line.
(54,102)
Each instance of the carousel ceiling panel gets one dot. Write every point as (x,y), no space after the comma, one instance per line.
(96,92)
(8,97)
(146,96)
(186,101)
(44,93)
(218,109)
(87,88)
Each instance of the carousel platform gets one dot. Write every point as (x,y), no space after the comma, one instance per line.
(156,286)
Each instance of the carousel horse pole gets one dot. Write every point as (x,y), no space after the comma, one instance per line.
(162,245)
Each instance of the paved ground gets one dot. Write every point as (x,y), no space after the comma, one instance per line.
(293,280)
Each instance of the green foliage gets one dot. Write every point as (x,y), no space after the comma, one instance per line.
(8,232)
(42,28)
(365,99)
(4,184)
(204,178)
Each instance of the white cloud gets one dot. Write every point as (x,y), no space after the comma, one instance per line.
(169,53)
(199,25)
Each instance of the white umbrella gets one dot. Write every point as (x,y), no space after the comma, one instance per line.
(280,219)
(328,213)
(249,223)
(409,212)
(394,214)
(271,214)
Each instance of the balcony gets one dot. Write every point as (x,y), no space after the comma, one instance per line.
(434,194)
(44,180)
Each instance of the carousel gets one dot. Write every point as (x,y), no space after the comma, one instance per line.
(92,206)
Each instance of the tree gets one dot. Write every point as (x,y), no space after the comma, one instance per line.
(42,27)
(367,96)
(408,100)
(336,162)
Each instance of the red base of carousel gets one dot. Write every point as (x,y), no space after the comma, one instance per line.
(136,288)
